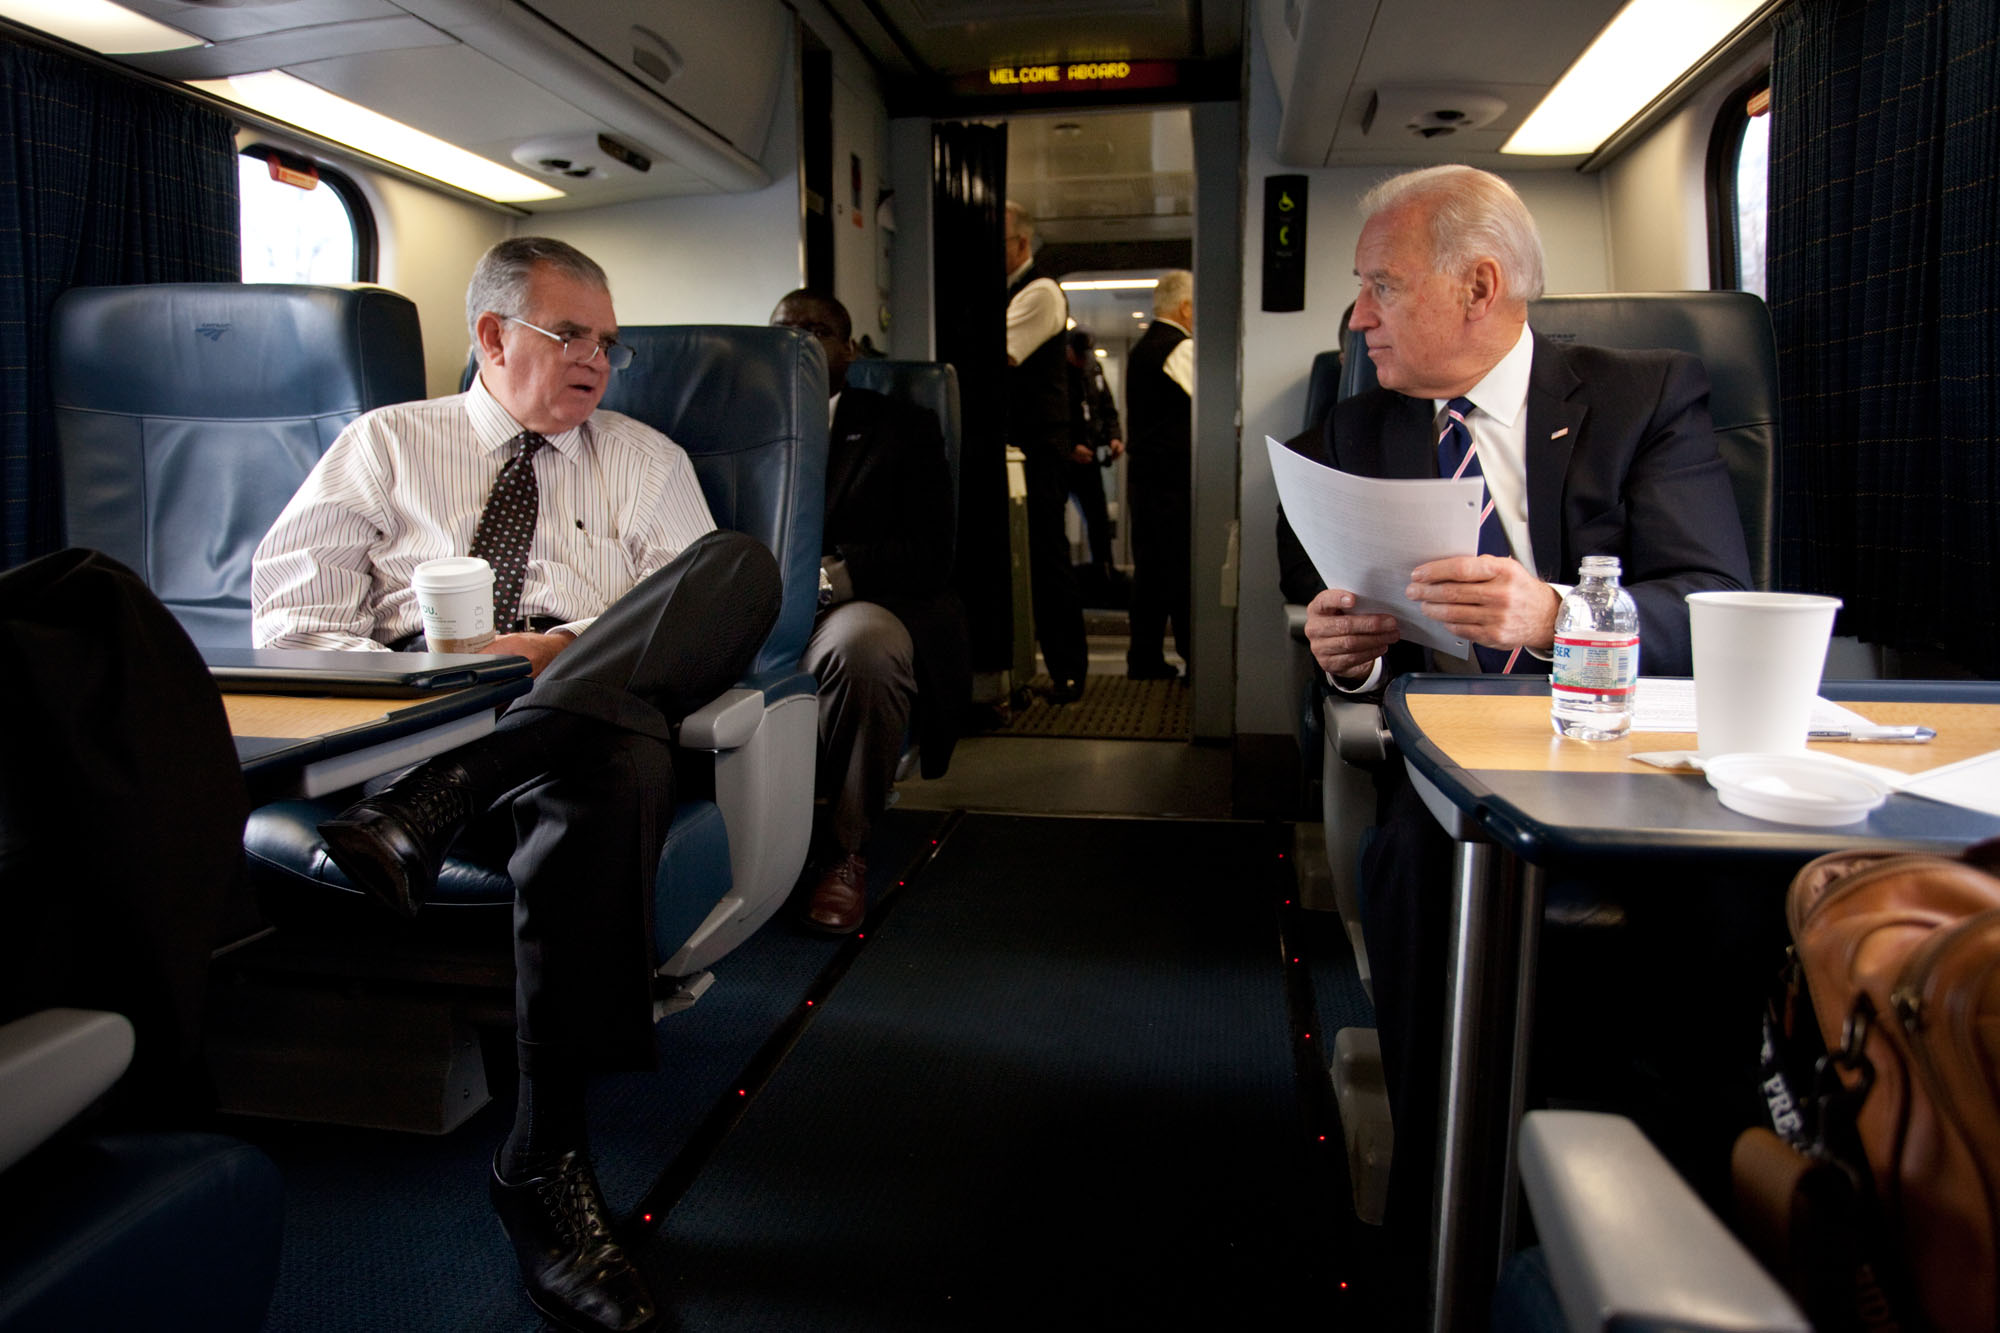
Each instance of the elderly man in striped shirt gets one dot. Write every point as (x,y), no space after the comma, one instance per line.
(611,578)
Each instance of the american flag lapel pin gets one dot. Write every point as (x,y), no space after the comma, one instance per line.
(1559,434)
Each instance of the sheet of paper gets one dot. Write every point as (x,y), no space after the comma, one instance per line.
(1973,783)
(1366,535)
(1665,704)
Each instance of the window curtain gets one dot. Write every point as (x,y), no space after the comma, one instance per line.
(103,180)
(1885,292)
(969,188)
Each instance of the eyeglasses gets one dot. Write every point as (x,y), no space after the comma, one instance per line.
(616,354)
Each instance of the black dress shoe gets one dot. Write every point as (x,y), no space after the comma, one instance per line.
(1064,692)
(575,1272)
(391,844)
(1161,670)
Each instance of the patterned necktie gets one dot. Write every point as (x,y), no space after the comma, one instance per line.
(1459,457)
(507,526)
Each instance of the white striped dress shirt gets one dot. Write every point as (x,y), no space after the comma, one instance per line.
(407,483)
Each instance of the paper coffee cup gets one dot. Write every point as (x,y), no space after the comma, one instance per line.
(455,595)
(1757,663)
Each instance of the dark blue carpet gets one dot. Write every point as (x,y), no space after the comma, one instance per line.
(1059,1089)
(1061,1084)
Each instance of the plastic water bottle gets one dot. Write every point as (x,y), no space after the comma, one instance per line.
(1595,670)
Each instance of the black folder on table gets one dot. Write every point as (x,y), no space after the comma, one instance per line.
(359,672)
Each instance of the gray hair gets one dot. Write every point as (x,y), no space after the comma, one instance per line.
(500,279)
(1474,215)
(1020,222)
(1176,286)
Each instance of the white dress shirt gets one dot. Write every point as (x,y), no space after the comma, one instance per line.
(407,483)
(1180,361)
(1038,312)
(1499,426)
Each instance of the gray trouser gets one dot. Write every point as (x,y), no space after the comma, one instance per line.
(864,661)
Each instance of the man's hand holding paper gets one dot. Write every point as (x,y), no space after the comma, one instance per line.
(1489,599)
(1365,537)
(1346,644)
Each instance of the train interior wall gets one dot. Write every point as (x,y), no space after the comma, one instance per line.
(1640,224)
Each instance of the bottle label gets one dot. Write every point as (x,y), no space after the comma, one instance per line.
(1602,665)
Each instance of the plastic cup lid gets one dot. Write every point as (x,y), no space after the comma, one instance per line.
(1795,788)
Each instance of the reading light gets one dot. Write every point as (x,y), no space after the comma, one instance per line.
(1640,52)
(299,103)
(99,25)
(1110,285)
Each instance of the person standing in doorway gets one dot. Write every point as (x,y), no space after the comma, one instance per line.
(1038,424)
(1099,440)
(1159,402)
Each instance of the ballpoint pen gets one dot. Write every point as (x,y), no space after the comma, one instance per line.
(1894,735)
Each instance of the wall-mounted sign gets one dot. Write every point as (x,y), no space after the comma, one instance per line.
(1070,76)
(1284,243)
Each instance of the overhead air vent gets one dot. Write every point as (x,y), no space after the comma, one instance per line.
(582,157)
(1429,111)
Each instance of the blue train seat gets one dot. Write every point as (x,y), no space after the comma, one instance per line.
(126,1230)
(188,413)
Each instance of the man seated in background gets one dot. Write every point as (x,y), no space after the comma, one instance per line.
(890,642)
(1584,451)
(611,579)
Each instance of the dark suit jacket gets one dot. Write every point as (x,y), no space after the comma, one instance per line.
(121,817)
(1621,461)
(889,515)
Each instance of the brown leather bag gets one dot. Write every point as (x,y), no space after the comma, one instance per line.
(1901,957)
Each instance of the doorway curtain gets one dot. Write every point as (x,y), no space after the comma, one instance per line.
(1885,293)
(103,180)
(969,188)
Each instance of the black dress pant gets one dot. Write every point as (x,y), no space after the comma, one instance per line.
(587,836)
(1406,922)
(1161,515)
(1086,483)
(1058,609)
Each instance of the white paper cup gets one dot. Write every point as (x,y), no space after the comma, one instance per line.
(455,595)
(1757,662)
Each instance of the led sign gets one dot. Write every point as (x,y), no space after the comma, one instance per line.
(1075,76)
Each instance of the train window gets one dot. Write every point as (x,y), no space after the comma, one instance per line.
(1738,188)
(302,221)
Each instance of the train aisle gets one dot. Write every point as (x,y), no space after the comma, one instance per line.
(1060,1082)
(1057,1089)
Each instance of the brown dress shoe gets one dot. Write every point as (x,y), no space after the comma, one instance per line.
(840,899)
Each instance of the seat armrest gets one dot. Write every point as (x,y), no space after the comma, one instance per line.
(1356,726)
(724,722)
(53,1064)
(1295,621)
(1629,1245)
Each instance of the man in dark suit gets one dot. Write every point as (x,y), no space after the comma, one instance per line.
(1585,451)
(890,640)
(1038,424)
(1159,399)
